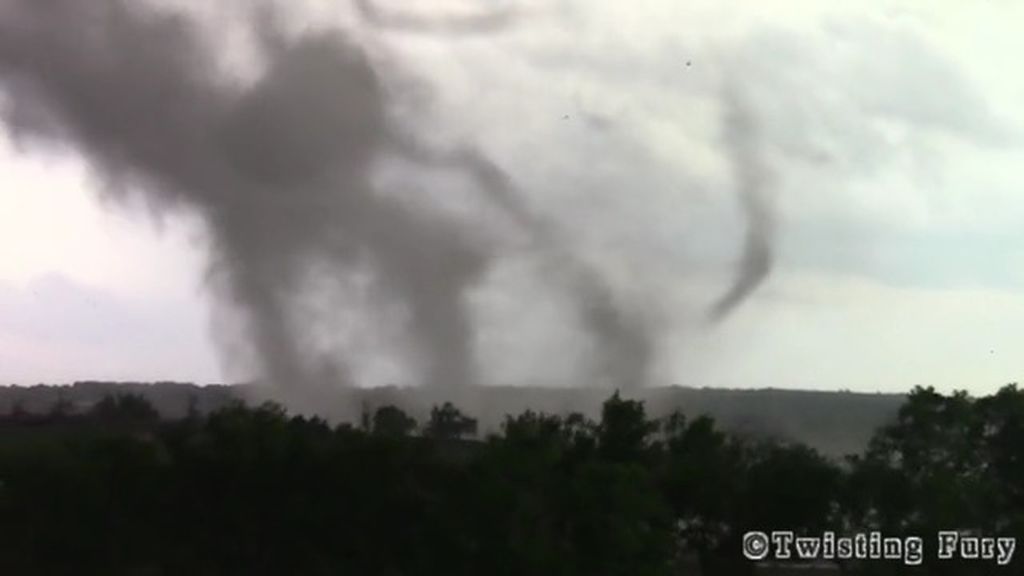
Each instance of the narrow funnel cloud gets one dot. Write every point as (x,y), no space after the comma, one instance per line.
(624,341)
(753,181)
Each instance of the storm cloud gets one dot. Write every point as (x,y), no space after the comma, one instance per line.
(281,172)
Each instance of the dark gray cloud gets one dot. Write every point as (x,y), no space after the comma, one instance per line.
(281,172)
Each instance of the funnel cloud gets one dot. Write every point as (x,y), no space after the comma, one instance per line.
(280,171)
(753,183)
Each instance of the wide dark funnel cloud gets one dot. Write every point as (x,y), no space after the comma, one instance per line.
(281,172)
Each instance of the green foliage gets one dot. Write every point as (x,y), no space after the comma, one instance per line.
(125,409)
(624,431)
(947,462)
(448,423)
(254,490)
(391,422)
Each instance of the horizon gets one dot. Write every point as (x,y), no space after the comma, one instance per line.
(629,392)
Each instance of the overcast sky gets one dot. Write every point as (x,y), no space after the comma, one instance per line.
(892,136)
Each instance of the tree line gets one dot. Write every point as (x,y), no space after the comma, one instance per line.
(253,490)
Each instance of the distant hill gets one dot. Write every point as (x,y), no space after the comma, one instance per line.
(836,423)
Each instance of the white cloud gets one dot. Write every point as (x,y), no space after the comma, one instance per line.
(830,332)
(56,329)
(51,220)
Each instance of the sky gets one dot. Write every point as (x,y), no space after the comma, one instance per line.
(888,135)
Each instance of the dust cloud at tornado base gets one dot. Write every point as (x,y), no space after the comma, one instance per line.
(281,172)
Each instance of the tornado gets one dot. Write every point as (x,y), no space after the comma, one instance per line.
(753,182)
(281,172)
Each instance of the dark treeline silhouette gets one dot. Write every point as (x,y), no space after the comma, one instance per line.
(835,423)
(116,489)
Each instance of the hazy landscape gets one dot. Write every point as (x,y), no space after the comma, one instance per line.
(102,482)
(835,423)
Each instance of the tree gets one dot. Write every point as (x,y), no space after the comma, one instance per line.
(928,471)
(125,409)
(702,479)
(448,423)
(391,422)
(18,411)
(624,431)
(192,411)
(1002,416)
(789,487)
(62,408)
